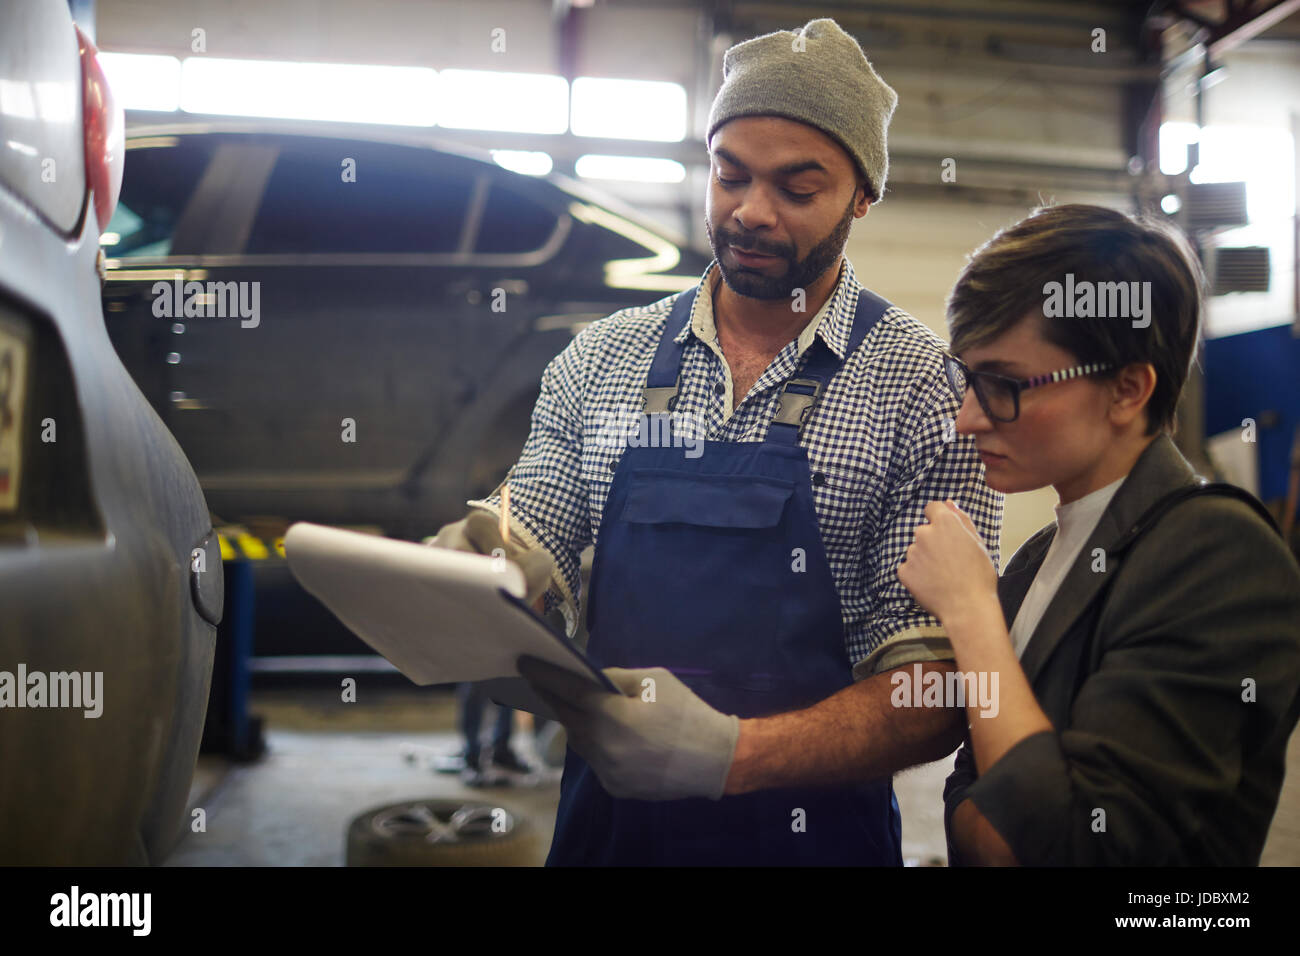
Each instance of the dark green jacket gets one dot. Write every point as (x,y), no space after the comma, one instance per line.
(1162,647)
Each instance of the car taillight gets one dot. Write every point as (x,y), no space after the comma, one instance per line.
(103,122)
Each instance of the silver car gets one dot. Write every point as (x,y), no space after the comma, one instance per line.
(110,575)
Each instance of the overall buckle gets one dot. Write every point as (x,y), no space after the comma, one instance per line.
(655,401)
(794,407)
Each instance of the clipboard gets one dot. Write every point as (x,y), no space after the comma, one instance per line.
(440,616)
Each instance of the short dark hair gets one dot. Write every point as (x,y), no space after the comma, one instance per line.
(1007,278)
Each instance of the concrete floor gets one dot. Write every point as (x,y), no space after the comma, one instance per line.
(327,761)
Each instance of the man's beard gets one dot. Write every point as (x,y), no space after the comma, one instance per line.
(798,274)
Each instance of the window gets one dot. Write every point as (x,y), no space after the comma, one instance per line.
(402,201)
(157,182)
(513,223)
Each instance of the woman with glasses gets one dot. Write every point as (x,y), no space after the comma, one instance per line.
(1147,643)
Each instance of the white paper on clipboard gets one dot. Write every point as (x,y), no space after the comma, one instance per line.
(439,616)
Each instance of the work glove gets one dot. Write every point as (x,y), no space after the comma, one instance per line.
(480,533)
(651,741)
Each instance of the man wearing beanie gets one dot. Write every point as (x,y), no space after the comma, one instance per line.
(780,431)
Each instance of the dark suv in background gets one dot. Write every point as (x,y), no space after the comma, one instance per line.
(408,297)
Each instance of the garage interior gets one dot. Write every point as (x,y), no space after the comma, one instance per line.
(1003,105)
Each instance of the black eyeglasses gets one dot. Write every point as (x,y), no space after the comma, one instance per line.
(999,395)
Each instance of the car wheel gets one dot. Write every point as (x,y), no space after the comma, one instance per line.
(441,833)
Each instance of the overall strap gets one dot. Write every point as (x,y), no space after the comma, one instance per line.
(660,393)
(800,394)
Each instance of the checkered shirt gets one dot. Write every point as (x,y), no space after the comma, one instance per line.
(881,444)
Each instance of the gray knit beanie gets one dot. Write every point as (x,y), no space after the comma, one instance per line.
(819,76)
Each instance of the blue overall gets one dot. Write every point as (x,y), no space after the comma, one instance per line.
(698,569)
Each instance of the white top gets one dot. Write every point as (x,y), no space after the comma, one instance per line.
(1075,523)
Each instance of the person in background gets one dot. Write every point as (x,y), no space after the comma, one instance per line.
(476,771)
(1148,641)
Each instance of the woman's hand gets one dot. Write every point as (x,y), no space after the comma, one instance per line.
(951,575)
(946,567)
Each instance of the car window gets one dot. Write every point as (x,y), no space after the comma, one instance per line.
(615,245)
(157,182)
(513,223)
(401,200)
